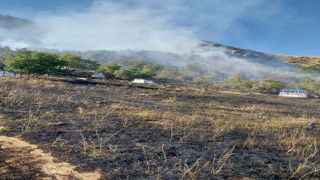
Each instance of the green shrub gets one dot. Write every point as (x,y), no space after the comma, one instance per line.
(124,74)
(235,81)
(248,84)
(202,80)
(108,69)
(148,72)
(309,84)
(35,62)
(269,86)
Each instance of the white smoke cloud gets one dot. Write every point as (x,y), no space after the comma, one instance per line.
(171,26)
(168,26)
(114,26)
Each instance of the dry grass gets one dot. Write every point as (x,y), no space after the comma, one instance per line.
(170,132)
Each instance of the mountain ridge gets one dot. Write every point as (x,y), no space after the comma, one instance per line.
(303,61)
(10,23)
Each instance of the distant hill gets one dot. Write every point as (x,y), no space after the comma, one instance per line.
(17,32)
(236,60)
(304,61)
(10,22)
(13,23)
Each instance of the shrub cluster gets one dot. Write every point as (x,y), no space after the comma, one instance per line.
(265,86)
(113,70)
(34,62)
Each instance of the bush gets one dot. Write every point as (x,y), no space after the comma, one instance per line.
(167,73)
(25,61)
(248,84)
(108,69)
(124,74)
(202,80)
(269,86)
(148,72)
(76,62)
(235,81)
(2,65)
(309,84)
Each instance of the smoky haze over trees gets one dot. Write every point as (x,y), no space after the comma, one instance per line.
(114,31)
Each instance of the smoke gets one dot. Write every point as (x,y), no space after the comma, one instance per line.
(166,26)
(221,64)
(170,26)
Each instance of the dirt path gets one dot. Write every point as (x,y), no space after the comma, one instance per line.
(26,158)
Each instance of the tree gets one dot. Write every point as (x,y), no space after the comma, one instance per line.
(108,69)
(76,62)
(2,64)
(202,80)
(309,84)
(90,65)
(135,73)
(148,72)
(248,84)
(124,74)
(5,53)
(269,86)
(167,73)
(137,64)
(235,81)
(25,61)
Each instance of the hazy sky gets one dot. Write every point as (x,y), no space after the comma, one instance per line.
(273,26)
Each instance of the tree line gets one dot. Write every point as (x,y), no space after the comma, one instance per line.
(271,86)
(33,62)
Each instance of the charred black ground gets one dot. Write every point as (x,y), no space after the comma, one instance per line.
(166,131)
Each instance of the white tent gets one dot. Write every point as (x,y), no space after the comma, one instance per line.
(143,81)
(98,75)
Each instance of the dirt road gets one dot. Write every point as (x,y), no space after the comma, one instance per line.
(21,160)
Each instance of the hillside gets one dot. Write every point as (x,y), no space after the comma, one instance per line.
(21,29)
(10,22)
(303,61)
(213,60)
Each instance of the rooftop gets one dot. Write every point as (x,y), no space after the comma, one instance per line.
(294,90)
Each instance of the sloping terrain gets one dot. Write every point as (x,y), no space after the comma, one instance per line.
(166,131)
(10,22)
(21,28)
(270,59)
(17,32)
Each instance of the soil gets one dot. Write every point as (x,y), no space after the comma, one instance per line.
(21,160)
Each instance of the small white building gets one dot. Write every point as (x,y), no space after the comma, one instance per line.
(298,93)
(6,73)
(143,81)
(98,75)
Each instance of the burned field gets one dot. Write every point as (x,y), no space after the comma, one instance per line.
(166,131)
